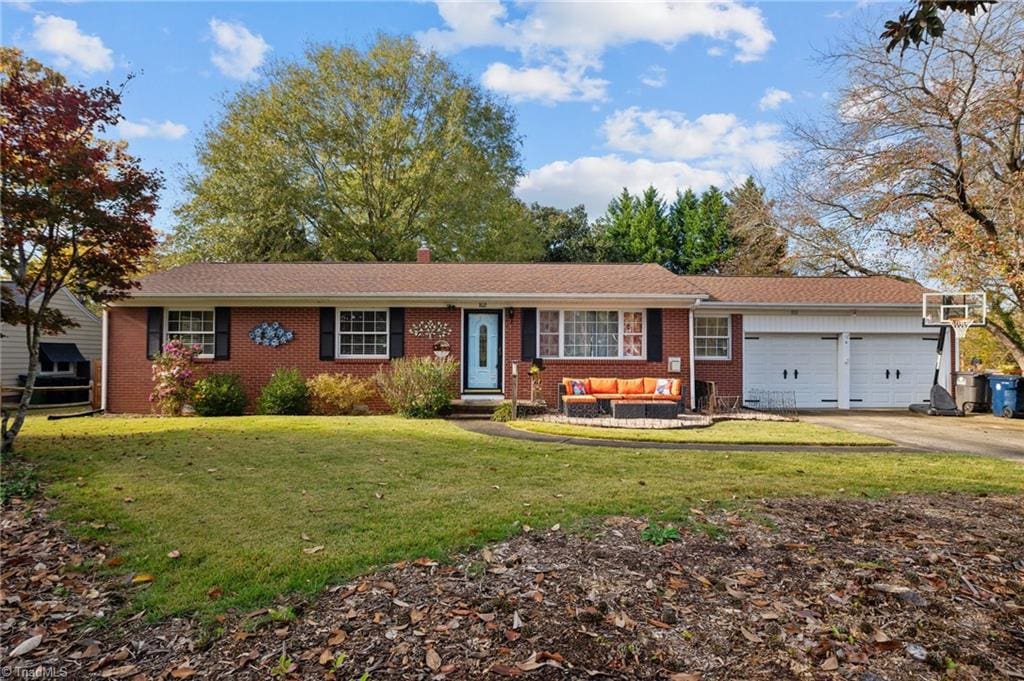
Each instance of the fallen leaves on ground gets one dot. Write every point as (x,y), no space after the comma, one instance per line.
(869,590)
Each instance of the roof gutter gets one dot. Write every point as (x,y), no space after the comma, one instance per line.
(675,298)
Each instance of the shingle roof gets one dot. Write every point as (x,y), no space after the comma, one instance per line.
(810,290)
(416,279)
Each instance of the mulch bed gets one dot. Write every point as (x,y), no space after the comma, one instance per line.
(898,588)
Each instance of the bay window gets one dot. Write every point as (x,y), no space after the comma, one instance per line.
(711,336)
(597,334)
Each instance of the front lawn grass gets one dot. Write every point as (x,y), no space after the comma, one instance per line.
(236,495)
(722,432)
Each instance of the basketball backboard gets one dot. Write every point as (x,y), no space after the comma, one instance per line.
(954,308)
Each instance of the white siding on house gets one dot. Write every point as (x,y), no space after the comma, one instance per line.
(813,322)
(87,336)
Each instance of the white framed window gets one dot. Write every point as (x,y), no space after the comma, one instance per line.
(363,333)
(592,334)
(711,337)
(192,327)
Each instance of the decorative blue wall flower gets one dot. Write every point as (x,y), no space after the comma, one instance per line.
(271,335)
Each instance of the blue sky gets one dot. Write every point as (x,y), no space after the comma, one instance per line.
(607,95)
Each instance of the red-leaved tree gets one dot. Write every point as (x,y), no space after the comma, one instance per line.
(77,208)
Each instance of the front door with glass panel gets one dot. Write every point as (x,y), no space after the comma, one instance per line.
(482,351)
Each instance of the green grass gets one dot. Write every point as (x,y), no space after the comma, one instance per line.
(723,432)
(235,495)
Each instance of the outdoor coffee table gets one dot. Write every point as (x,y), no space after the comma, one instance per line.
(629,409)
(661,409)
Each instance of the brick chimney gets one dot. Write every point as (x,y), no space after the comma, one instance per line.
(423,254)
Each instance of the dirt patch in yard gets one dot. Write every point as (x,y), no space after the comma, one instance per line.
(896,588)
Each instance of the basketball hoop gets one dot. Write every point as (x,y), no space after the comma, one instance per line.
(960,325)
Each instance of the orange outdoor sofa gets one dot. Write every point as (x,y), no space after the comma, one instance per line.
(607,390)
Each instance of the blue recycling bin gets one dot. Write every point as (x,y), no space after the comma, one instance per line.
(1007,396)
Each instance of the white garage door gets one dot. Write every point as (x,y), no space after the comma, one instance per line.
(804,364)
(889,370)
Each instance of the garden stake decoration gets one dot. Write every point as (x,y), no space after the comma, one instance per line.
(271,335)
(430,328)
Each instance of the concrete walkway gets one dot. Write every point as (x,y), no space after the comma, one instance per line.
(976,433)
(495,429)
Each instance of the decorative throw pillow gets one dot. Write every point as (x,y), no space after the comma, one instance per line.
(663,387)
(579,387)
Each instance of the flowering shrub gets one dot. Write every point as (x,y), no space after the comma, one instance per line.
(174,376)
(418,387)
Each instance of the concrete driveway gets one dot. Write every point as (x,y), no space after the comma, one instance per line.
(975,433)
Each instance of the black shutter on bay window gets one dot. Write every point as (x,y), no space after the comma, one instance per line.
(326,334)
(529,333)
(222,335)
(396,333)
(154,331)
(654,334)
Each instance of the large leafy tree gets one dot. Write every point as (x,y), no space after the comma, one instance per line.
(919,169)
(759,245)
(76,207)
(355,155)
(567,234)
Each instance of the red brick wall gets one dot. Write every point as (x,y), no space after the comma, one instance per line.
(675,343)
(130,376)
(727,374)
(130,373)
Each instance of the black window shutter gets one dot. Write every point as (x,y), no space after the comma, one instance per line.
(654,334)
(222,337)
(396,324)
(529,333)
(326,334)
(154,331)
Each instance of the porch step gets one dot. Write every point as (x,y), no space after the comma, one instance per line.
(477,408)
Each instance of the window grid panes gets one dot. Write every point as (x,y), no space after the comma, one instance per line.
(711,337)
(549,333)
(632,334)
(362,333)
(192,327)
(591,333)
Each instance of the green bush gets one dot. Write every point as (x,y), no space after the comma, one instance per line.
(285,394)
(417,387)
(333,394)
(219,395)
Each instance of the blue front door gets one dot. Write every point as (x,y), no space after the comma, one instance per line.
(482,356)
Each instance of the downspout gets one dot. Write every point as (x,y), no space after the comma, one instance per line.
(104,352)
(693,376)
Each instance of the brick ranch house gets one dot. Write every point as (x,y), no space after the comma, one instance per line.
(836,343)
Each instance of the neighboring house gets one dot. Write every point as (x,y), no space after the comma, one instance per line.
(582,320)
(65,354)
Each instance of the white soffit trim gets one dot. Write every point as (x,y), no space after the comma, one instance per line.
(418,300)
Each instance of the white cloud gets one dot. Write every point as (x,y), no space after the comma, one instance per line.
(595,180)
(573,36)
(168,130)
(62,38)
(715,51)
(773,98)
(544,83)
(655,76)
(717,140)
(239,51)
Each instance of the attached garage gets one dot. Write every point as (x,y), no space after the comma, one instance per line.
(891,370)
(804,364)
(845,364)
